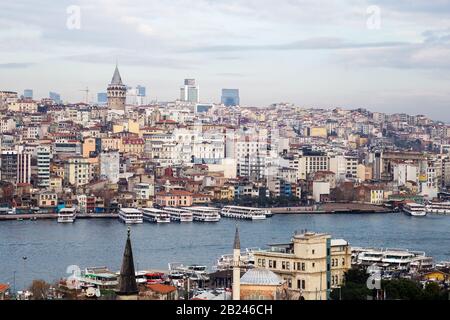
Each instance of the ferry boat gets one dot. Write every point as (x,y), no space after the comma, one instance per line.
(414,209)
(194,272)
(243,213)
(67,215)
(247,259)
(155,215)
(179,215)
(130,216)
(438,207)
(391,259)
(204,214)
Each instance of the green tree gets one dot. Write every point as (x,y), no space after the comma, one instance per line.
(402,289)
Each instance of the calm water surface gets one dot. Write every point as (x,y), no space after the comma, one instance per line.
(51,247)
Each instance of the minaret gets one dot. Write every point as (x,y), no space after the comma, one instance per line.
(117,92)
(127,280)
(236,267)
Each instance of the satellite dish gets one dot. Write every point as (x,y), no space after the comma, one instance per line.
(90,292)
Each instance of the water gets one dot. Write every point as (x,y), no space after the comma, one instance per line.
(51,247)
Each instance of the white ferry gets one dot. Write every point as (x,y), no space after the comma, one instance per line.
(243,213)
(438,207)
(67,215)
(155,215)
(247,259)
(131,216)
(179,215)
(204,214)
(396,259)
(414,209)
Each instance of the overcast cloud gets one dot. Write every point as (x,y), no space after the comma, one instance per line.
(314,53)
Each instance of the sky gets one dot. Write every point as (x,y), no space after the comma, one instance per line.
(387,56)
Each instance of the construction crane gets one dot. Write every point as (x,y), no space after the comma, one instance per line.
(87,94)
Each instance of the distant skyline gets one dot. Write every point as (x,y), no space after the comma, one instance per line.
(313,53)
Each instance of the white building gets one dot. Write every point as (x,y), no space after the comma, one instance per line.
(110,165)
(320,188)
(44,156)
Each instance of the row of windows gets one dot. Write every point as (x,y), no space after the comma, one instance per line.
(335,262)
(285,265)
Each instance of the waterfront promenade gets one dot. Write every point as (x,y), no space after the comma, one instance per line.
(327,208)
(44,216)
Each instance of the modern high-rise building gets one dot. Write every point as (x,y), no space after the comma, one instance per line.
(190,91)
(44,157)
(230,97)
(117,92)
(141,91)
(102,98)
(55,96)
(28,94)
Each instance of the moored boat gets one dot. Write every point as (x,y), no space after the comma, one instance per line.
(178,214)
(414,209)
(238,212)
(67,215)
(204,214)
(131,216)
(438,207)
(155,215)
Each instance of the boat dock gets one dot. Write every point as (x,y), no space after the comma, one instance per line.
(332,208)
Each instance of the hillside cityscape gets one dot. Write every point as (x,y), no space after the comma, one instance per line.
(185,160)
(227,157)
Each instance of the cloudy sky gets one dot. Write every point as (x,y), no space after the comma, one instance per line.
(313,53)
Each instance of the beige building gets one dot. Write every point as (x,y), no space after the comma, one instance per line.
(311,264)
(77,171)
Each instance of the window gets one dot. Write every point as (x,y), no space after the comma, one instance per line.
(288,266)
(270,264)
(283,265)
(274,264)
(303,266)
(314,251)
(343,261)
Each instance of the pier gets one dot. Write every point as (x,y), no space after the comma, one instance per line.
(332,208)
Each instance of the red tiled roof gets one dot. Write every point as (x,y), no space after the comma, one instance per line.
(3,287)
(161,288)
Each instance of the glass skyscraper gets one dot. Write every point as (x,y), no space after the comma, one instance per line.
(28,94)
(230,97)
(102,98)
(55,97)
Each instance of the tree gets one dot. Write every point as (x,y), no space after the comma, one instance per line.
(354,288)
(40,289)
(402,289)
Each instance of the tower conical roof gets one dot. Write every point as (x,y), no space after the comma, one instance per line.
(237,241)
(116,79)
(127,278)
